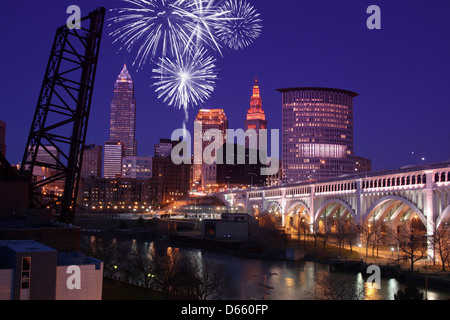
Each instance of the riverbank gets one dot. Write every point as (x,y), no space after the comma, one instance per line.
(352,260)
(338,259)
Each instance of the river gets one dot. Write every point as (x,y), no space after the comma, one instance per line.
(291,280)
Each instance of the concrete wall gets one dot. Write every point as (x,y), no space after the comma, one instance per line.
(91,283)
(238,230)
(6,284)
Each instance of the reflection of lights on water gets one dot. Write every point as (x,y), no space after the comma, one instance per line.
(371,292)
(289,282)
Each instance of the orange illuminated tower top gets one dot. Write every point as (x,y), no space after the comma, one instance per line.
(256,118)
(256,112)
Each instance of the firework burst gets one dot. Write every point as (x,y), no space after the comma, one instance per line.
(185,80)
(241,24)
(202,17)
(177,35)
(152,27)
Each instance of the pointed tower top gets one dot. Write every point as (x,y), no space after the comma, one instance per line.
(124,75)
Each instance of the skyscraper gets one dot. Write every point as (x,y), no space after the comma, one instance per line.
(210,119)
(123,113)
(163,149)
(137,167)
(113,159)
(317,138)
(92,162)
(256,118)
(46,163)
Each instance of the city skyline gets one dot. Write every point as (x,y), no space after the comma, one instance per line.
(302,44)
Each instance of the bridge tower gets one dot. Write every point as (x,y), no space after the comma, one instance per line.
(59,126)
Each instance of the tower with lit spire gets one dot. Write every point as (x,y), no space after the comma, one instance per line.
(123,113)
(122,126)
(256,118)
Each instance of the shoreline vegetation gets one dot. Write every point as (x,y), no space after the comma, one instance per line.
(340,259)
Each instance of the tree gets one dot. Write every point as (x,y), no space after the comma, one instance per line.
(366,235)
(341,232)
(409,293)
(377,234)
(325,233)
(412,245)
(352,233)
(315,232)
(140,265)
(440,241)
(302,230)
(328,287)
(213,282)
(165,267)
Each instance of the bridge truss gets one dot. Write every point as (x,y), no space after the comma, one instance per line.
(58,130)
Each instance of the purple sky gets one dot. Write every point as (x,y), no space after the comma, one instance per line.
(401,72)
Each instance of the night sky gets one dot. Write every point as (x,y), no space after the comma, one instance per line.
(401,73)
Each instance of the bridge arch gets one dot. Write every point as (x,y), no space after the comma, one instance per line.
(294,216)
(330,201)
(443,216)
(272,204)
(239,201)
(255,209)
(297,203)
(384,200)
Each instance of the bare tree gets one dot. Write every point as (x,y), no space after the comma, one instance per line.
(352,233)
(377,234)
(341,232)
(140,265)
(366,232)
(412,245)
(315,232)
(326,230)
(302,230)
(213,282)
(440,242)
(328,287)
(165,267)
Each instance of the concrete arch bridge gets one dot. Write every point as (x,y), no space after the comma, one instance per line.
(420,193)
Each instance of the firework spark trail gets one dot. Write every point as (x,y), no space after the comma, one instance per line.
(241,24)
(202,17)
(185,79)
(151,27)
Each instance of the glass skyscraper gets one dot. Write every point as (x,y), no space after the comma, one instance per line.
(122,126)
(123,113)
(113,159)
(317,133)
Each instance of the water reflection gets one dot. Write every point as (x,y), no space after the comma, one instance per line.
(288,280)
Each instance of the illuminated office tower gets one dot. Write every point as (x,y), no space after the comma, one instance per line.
(123,113)
(137,167)
(317,133)
(256,118)
(163,149)
(113,159)
(210,119)
(92,162)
